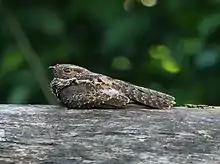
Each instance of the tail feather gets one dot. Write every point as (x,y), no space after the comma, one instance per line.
(151,98)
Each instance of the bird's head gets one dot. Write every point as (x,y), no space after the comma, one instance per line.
(66,71)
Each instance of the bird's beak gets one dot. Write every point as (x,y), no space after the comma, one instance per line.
(51,67)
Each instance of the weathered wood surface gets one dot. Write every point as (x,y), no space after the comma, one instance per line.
(49,134)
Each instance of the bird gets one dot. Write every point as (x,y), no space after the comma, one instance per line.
(78,88)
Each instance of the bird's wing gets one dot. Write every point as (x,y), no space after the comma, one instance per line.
(145,96)
(89,95)
(139,95)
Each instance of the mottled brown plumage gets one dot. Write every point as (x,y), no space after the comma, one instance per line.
(77,87)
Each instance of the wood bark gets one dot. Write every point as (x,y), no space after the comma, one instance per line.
(52,134)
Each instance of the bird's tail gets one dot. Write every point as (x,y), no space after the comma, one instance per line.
(151,98)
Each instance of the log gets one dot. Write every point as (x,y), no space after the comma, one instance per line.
(53,134)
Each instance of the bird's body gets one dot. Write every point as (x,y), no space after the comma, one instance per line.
(77,87)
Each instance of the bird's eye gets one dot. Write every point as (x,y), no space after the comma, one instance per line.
(67,70)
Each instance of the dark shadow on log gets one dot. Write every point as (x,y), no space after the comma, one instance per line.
(49,134)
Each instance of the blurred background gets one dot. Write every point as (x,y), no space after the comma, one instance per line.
(167,45)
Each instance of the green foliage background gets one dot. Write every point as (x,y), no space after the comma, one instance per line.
(172,46)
